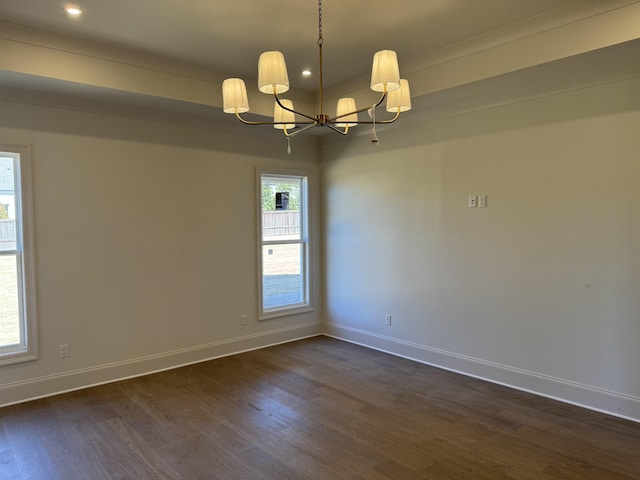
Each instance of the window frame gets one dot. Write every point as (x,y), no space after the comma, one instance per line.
(27,349)
(307,304)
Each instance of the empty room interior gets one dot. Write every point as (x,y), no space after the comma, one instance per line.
(427,269)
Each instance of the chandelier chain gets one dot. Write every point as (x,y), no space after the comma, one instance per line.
(320,39)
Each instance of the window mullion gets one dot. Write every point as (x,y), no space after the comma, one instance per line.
(267,243)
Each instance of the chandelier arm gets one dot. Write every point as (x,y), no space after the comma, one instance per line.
(337,129)
(314,120)
(247,122)
(364,109)
(289,135)
(368,122)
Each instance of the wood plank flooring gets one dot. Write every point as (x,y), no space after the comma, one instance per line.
(314,409)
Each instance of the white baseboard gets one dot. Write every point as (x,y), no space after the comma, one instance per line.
(593,398)
(31,389)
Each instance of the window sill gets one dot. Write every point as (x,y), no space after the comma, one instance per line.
(284,312)
(17,357)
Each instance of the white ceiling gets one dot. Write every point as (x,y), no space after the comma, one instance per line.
(166,59)
(228,36)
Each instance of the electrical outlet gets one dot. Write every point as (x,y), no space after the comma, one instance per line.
(243,319)
(473,201)
(64,350)
(387,319)
(482,201)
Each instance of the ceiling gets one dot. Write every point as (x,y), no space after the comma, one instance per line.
(228,36)
(169,57)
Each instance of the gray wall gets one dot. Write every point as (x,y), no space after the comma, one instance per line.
(145,243)
(541,289)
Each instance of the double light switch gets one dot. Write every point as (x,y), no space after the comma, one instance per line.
(477,201)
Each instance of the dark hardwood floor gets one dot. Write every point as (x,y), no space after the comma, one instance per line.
(314,409)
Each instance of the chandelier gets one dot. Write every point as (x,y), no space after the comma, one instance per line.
(273,80)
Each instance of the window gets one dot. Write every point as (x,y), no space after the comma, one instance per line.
(283,252)
(18,340)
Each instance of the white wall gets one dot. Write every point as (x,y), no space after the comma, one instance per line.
(541,290)
(145,244)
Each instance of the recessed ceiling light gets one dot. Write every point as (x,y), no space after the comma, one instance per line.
(306,73)
(74,11)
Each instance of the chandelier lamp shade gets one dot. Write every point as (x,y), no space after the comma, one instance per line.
(274,80)
(283,117)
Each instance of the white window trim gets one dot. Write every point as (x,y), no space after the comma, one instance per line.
(28,349)
(308,278)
